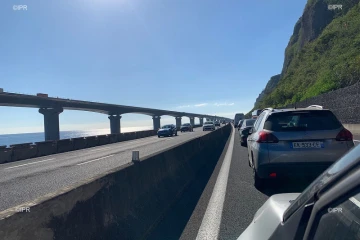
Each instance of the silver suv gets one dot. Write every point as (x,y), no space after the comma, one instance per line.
(295,142)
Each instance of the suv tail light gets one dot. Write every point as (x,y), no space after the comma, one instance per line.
(266,137)
(344,135)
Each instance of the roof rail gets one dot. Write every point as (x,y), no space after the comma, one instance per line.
(315,106)
(271,109)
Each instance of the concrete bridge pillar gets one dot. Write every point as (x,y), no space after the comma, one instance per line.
(51,122)
(201,121)
(156,122)
(115,126)
(192,121)
(178,122)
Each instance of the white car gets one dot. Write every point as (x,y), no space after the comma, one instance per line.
(209,126)
(328,209)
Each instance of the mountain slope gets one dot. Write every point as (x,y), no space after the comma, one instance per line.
(323,54)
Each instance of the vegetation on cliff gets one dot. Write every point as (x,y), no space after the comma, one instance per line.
(323,54)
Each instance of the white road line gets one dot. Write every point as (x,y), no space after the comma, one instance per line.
(210,225)
(99,149)
(94,160)
(51,159)
(356,140)
(355,201)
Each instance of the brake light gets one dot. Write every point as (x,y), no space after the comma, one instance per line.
(266,137)
(344,135)
(272,175)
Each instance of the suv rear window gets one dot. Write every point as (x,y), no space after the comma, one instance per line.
(302,121)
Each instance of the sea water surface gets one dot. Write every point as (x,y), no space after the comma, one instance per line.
(9,139)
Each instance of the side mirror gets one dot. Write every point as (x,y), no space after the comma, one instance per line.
(251,131)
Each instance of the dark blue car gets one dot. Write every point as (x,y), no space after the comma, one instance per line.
(167,130)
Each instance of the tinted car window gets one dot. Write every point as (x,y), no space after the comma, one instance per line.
(167,126)
(302,121)
(341,221)
(324,178)
(208,122)
(250,122)
(258,121)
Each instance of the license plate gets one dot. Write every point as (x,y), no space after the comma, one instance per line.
(308,144)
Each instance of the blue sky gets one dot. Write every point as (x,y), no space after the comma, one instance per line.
(203,56)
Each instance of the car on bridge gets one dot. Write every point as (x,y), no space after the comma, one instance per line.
(217,124)
(167,131)
(209,126)
(186,127)
(295,143)
(329,208)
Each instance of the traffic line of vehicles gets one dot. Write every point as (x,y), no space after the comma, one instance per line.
(170,130)
(298,143)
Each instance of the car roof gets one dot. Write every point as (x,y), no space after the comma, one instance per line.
(310,108)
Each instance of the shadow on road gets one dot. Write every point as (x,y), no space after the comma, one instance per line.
(286,186)
(174,222)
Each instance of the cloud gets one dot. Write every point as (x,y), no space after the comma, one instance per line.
(224,104)
(200,105)
(195,105)
(184,106)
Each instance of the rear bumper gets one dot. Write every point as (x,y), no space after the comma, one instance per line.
(293,170)
(164,133)
(208,128)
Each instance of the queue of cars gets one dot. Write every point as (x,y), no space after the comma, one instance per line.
(171,130)
(299,142)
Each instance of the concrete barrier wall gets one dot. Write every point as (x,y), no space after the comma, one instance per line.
(112,138)
(124,203)
(103,139)
(65,145)
(120,137)
(91,141)
(5,155)
(46,148)
(79,143)
(27,150)
(23,151)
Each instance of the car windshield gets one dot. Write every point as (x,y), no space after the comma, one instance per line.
(209,123)
(166,126)
(302,121)
(323,179)
(186,124)
(249,123)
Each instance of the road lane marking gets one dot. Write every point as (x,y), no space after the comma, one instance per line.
(99,149)
(95,160)
(210,225)
(356,140)
(355,201)
(51,159)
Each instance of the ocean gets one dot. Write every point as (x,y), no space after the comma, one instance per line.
(9,139)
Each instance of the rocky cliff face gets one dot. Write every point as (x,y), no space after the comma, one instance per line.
(315,18)
(303,50)
(269,87)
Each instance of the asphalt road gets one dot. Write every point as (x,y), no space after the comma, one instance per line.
(184,221)
(27,180)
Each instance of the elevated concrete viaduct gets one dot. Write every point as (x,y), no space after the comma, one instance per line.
(52,107)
